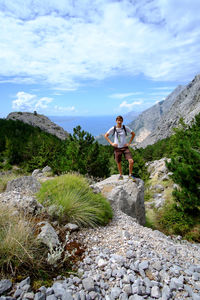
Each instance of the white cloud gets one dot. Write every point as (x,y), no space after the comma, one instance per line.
(30,102)
(124,95)
(63,109)
(164,88)
(130,106)
(62,43)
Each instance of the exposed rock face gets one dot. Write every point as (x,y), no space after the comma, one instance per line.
(148,120)
(40,121)
(160,185)
(21,201)
(24,183)
(157,168)
(186,105)
(19,193)
(125,194)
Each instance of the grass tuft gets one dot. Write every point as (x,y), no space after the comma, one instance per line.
(75,201)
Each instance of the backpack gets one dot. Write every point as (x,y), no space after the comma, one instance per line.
(124,127)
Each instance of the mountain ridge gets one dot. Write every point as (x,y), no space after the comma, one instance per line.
(41,121)
(186,106)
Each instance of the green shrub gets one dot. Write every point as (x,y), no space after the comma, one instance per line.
(75,201)
(172,220)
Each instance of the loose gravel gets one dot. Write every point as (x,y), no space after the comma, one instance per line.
(124,260)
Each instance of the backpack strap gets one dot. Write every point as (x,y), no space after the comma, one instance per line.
(124,127)
(114,130)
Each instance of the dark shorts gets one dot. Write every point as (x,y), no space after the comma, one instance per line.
(119,151)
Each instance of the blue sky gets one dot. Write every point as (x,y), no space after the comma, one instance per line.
(95,57)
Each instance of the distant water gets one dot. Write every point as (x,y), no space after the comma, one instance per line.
(95,125)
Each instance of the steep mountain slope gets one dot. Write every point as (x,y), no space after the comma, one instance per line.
(148,120)
(186,105)
(40,121)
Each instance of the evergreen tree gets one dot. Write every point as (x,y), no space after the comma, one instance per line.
(185,165)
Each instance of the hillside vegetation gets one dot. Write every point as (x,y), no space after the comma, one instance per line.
(182,215)
(31,148)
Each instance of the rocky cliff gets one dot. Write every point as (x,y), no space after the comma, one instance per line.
(40,121)
(186,105)
(148,120)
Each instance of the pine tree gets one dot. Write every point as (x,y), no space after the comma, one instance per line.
(185,165)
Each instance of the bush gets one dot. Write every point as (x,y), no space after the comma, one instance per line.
(75,201)
(172,220)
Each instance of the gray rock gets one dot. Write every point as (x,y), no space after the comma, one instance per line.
(136,297)
(30,296)
(115,292)
(51,297)
(130,254)
(71,227)
(166,293)
(157,265)
(176,283)
(95,189)
(195,296)
(82,295)
(17,293)
(42,289)
(88,284)
(123,296)
(25,282)
(144,265)
(5,285)
(127,289)
(37,173)
(67,296)
(126,195)
(102,263)
(93,295)
(40,296)
(49,291)
(76,280)
(119,259)
(26,288)
(48,235)
(155,292)
(46,169)
(24,183)
(22,201)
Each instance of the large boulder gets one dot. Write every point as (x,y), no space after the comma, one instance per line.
(24,183)
(21,201)
(126,195)
(19,194)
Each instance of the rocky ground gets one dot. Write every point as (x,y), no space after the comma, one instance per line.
(125,260)
(122,260)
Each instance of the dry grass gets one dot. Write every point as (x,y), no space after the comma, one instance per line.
(19,248)
(4,180)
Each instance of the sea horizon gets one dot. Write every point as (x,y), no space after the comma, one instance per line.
(95,125)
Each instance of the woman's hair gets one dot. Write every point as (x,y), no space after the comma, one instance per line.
(119,117)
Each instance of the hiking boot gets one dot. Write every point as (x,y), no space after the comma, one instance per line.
(120,177)
(133,178)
